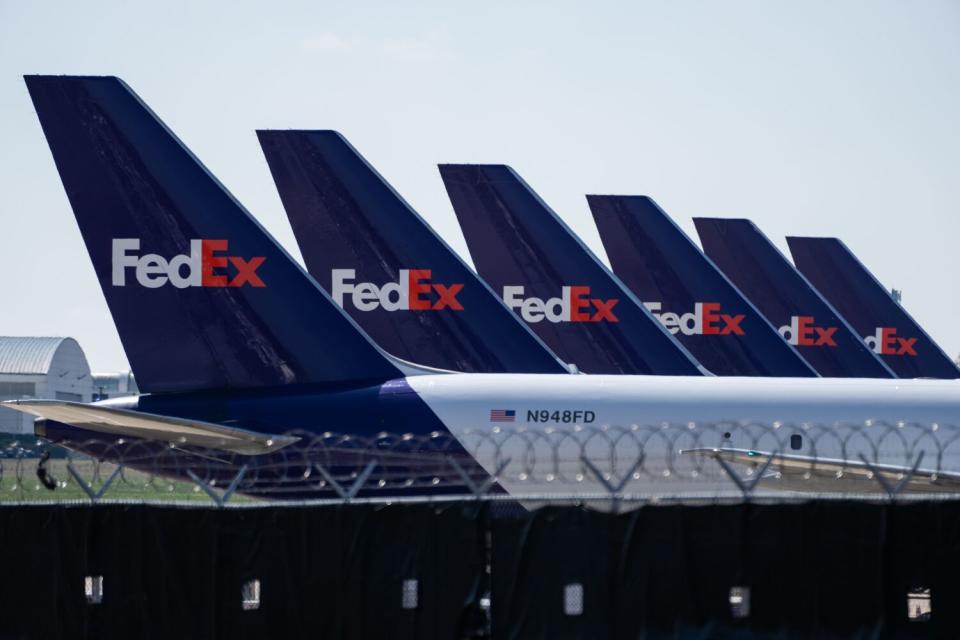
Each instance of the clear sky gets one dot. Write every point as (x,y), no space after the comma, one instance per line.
(811,118)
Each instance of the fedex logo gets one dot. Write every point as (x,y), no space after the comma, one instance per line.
(411,293)
(804,333)
(705,320)
(205,266)
(573,305)
(886,341)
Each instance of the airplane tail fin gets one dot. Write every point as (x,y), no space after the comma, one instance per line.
(788,300)
(353,228)
(566,295)
(697,303)
(202,296)
(890,331)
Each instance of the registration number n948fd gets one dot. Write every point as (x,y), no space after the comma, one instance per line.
(564,416)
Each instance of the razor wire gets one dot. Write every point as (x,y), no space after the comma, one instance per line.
(579,462)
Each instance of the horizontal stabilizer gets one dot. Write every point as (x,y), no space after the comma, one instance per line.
(794,472)
(134,424)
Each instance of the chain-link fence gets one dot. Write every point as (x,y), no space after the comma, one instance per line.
(693,461)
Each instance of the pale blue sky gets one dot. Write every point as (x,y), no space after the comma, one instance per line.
(811,118)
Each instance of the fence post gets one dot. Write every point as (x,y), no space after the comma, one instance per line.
(347,494)
(746,487)
(88,488)
(483,487)
(614,489)
(228,492)
(893,490)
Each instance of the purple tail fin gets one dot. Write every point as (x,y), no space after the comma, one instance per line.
(387,268)
(692,298)
(202,297)
(887,328)
(580,309)
(788,300)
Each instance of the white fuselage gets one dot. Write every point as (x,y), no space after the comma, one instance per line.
(611,420)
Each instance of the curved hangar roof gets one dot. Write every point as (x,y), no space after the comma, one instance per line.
(35,356)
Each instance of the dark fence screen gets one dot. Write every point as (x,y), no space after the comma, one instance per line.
(814,570)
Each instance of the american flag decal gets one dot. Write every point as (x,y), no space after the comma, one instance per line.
(502,415)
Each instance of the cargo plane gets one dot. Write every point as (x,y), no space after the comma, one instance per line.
(236,347)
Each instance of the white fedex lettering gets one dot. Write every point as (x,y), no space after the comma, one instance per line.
(205,266)
(413,291)
(573,305)
(885,341)
(705,319)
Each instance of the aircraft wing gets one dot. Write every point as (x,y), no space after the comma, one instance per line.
(804,473)
(134,424)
